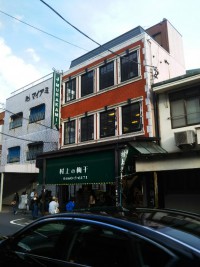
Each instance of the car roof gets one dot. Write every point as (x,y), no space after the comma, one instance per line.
(157,224)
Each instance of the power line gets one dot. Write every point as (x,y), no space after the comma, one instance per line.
(24,139)
(16,114)
(154,67)
(43,31)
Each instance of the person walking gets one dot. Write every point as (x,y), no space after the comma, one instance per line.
(15,202)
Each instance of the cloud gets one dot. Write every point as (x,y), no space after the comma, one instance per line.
(14,71)
(33,54)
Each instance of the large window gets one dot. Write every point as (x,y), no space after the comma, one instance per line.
(185,107)
(107,123)
(87,83)
(131,118)
(16,120)
(70,90)
(106,75)
(87,128)
(37,113)
(33,150)
(129,66)
(13,154)
(69,132)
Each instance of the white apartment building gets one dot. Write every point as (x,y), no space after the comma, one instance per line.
(28,130)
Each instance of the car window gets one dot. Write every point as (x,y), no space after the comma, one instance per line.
(44,240)
(100,247)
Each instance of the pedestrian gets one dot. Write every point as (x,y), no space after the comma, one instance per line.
(35,206)
(70,205)
(92,199)
(54,206)
(32,193)
(23,201)
(15,202)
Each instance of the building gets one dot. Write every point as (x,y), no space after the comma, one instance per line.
(108,117)
(178,172)
(28,130)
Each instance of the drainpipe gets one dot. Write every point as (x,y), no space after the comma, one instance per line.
(1,192)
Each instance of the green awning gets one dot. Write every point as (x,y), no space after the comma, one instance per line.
(91,168)
(146,148)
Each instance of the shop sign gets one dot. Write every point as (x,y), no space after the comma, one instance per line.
(56,100)
(91,168)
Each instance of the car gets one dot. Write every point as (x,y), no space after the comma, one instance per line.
(140,237)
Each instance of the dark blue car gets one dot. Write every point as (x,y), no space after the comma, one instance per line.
(107,238)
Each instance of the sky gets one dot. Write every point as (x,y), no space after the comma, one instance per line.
(35,40)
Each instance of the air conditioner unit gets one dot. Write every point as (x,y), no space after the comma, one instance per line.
(185,138)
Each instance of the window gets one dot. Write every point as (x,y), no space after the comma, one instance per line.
(106,75)
(16,120)
(87,84)
(131,119)
(185,107)
(33,150)
(107,123)
(70,90)
(37,113)
(13,154)
(129,66)
(87,128)
(69,132)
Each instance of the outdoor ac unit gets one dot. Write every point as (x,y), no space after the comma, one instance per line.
(185,138)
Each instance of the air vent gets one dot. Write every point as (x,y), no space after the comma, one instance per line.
(185,138)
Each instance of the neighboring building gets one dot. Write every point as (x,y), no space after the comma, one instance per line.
(28,131)
(178,172)
(108,120)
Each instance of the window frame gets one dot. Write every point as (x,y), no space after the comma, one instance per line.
(87,83)
(128,118)
(33,150)
(183,97)
(106,79)
(70,95)
(87,128)
(13,154)
(129,63)
(16,120)
(69,135)
(37,113)
(107,128)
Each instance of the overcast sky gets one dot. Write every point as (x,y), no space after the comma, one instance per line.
(34,39)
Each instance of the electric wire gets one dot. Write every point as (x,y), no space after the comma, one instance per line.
(24,139)
(43,31)
(154,67)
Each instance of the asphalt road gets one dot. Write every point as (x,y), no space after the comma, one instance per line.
(10,223)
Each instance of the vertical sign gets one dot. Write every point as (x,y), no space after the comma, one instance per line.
(56,100)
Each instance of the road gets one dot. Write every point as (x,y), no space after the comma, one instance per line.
(10,223)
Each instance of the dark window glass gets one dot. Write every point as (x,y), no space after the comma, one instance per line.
(131,118)
(69,132)
(37,113)
(107,123)
(185,107)
(33,150)
(70,90)
(87,128)
(87,83)
(129,66)
(106,75)
(13,154)
(16,120)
